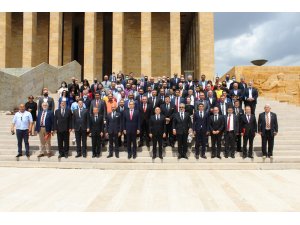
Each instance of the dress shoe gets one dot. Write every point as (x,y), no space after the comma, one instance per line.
(60,156)
(117,155)
(251,157)
(185,157)
(78,155)
(153,157)
(197,156)
(84,156)
(233,156)
(226,156)
(172,145)
(40,155)
(160,157)
(129,156)
(98,155)
(179,157)
(203,157)
(213,156)
(27,155)
(239,150)
(109,156)
(94,156)
(164,145)
(140,145)
(134,157)
(219,157)
(50,155)
(19,155)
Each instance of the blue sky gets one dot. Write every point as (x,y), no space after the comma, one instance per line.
(243,37)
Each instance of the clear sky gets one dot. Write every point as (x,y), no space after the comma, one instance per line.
(243,37)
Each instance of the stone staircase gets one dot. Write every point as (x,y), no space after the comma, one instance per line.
(286,150)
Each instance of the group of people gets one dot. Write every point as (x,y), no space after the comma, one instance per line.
(168,110)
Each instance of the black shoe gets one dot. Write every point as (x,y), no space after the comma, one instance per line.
(19,155)
(233,156)
(27,155)
(219,157)
(60,156)
(179,157)
(129,156)
(140,145)
(84,156)
(226,156)
(94,156)
(164,145)
(244,157)
(154,156)
(197,156)
(134,157)
(160,157)
(109,156)
(40,155)
(239,150)
(203,157)
(213,156)
(117,155)
(172,145)
(251,157)
(185,157)
(78,155)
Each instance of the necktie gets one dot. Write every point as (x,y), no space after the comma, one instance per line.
(156,117)
(63,112)
(216,117)
(144,107)
(267,122)
(201,115)
(228,123)
(112,115)
(131,114)
(96,117)
(42,119)
(79,111)
(248,118)
(168,107)
(181,116)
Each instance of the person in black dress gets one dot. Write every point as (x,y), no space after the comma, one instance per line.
(31,106)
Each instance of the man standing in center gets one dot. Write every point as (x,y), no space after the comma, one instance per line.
(131,125)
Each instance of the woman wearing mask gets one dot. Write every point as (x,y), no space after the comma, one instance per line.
(31,106)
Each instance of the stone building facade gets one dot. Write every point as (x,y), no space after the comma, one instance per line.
(153,44)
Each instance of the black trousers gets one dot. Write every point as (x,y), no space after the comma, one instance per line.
(216,140)
(144,135)
(201,140)
(229,143)
(113,139)
(96,143)
(22,135)
(182,144)
(252,105)
(157,139)
(63,138)
(267,138)
(238,141)
(81,136)
(131,139)
(169,134)
(248,138)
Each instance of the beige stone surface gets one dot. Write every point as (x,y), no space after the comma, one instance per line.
(123,190)
(117,41)
(29,39)
(175,44)
(55,39)
(68,37)
(5,36)
(146,62)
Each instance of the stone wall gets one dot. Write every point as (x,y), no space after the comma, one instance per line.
(18,83)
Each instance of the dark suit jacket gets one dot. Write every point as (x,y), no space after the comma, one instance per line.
(62,123)
(216,125)
(181,100)
(200,124)
(157,102)
(48,121)
(97,126)
(182,126)
(82,122)
(236,124)
(168,113)
(145,116)
(114,125)
(50,102)
(239,94)
(101,107)
(254,95)
(157,127)
(262,123)
(131,126)
(248,128)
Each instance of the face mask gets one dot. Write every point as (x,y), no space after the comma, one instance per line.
(45,94)
(227,78)
(233,79)
(95,81)
(146,79)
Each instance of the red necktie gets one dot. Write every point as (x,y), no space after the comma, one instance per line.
(42,119)
(228,123)
(144,107)
(131,114)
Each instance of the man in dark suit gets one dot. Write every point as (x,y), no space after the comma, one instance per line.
(231,130)
(46,98)
(168,109)
(223,106)
(200,128)
(98,103)
(154,100)
(63,126)
(145,110)
(121,109)
(181,126)
(96,128)
(44,128)
(114,127)
(250,97)
(203,101)
(81,126)
(131,126)
(212,102)
(236,94)
(248,131)
(268,129)
(216,128)
(177,100)
(238,111)
(174,81)
(157,131)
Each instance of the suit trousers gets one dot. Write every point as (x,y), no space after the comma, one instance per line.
(216,140)
(238,141)
(131,139)
(96,143)
(246,138)
(229,143)
(144,131)
(201,140)
(169,134)
(267,138)
(157,139)
(113,143)
(81,136)
(63,138)
(22,135)
(45,145)
(182,143)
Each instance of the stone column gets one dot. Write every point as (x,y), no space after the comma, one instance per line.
(117,41)
(29,38)
(146,64)
(90,21)
(175,44)
(55,39)
(206,44)
(67,42)
(5,36)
